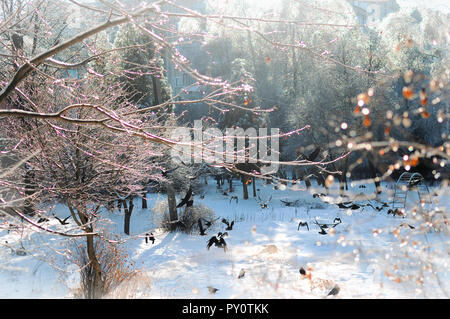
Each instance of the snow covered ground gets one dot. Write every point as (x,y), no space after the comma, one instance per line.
(368,255)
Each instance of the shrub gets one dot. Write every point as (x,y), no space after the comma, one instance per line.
(116,267)
(187,218)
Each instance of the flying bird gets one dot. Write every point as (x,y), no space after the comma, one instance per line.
(64,221)
(288,204)
(353,206)
(208,223)
(229,225)
(263,204)
(186,200)
(43,219)
(377,208)
(334,291)
(302,224)
(342,206)
(241,273)
(217,241)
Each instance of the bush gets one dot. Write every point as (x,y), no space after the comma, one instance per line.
(115,267)
(187,218)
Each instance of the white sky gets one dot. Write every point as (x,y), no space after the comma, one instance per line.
(442,5)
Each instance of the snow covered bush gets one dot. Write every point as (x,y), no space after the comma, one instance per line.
(187,218)
(190,216)
(115,264)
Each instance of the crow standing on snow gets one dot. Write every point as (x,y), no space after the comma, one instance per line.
(212,290)
(149,237)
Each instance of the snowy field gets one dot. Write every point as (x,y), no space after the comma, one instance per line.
(371,254)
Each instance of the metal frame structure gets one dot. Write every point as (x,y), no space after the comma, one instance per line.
(410,182)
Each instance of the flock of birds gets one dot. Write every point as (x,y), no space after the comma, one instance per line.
(219,239)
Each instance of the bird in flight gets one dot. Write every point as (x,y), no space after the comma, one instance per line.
(302,224)
(64,221)
(187,199)
(229,225)
(217,241)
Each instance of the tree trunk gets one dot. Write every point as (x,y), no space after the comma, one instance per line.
(128,210)
(254,186)
(376,180)
(96,288)
(244,186)
(144,199)
(230,182)
(173,214)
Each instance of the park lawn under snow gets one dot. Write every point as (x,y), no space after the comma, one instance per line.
(359,258)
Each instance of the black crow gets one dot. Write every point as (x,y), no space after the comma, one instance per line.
(149,237)
(229,225)
(396,212)
(235,198)
(334,291)
(208,223)
(165,173)
(43,219)
(301,224)
(212,290)
(217,241)
(64,221)
(263,204)
(186,200)
(302,271)
(287,203)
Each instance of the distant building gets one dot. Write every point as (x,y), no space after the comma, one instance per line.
(372,11)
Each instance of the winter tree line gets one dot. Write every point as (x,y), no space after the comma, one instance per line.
(87,107)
